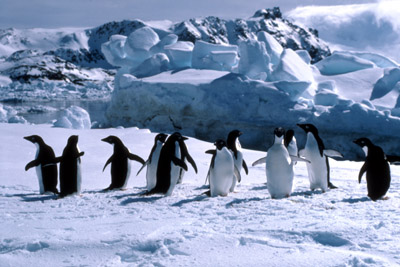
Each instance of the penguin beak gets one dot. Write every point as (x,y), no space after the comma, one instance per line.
(107,140)
(29,138)
(184,138)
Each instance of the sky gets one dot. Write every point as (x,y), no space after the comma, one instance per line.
(89,13)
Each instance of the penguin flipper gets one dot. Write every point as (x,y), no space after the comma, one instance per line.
(108,162)
(237,174)
(244,165)
(211,151)
(332,153)
(190,159)
(180,163)
(136,158)
(362,170)
(31,164)
(294,158)
(259,161)
(144,165)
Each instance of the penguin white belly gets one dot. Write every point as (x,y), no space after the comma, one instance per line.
(279,171)
(238,165)
(40,178)
(317,171)
(128,173)
(78,173)
(151,174)
(175,170)
(222,173)
(39,171)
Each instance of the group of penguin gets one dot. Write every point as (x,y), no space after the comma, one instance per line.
(167,164)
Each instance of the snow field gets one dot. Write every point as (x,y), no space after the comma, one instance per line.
(121,228)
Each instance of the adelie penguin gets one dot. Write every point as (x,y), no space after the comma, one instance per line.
(222,169)
(279,167)
(234,146)
(169,165)
(70,168)
(152,161)
(185,156)
(46,168)
(120,164)
(376,167)
(315,152)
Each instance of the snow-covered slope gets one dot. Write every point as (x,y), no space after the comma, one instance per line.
(341,227)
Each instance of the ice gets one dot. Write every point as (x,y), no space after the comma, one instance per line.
(169,39)
(73,117)
(339,63)
(304,55)
(156,64)
(254,60)
(205,56)
(180,54)
(291,67)
(139,43)
(326,98)
(386,84)
(114,51)
(4,80)
(273,47)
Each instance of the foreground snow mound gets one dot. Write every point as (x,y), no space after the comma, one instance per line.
(341,227)
(339,63)
(73,118)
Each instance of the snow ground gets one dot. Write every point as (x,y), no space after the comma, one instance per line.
(339,228)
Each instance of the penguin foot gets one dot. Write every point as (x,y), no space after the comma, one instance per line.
(332,186)
(208,193)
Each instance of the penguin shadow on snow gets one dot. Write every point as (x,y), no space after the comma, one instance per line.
(356,200)
(262,187)
(140,200)
(308,193)
(140,194)
(186,201)
(243,200)
(37,198)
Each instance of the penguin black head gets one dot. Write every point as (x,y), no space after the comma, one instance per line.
(73,140)
(309,128)
(288,137)
(34,139)
(160,137)
(220,144)
(362,142)
(279,132)
(177,137)
(112,140)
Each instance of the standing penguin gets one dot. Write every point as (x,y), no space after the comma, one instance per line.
(120,165)
(169,164)
(70,168)
(315,152)
(152,161)
(222,169)
(185,157)
(234,146)
(291,143)
(46,168)
(279,167)
(377,168)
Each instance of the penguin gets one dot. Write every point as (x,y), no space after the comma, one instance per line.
(70,168)
(290,144)
(222,169)
(377,168)
(46,168)
(233,144)
(120,165)
(169,164)
(185,156)
(279,167)
(314,151)
(152,161)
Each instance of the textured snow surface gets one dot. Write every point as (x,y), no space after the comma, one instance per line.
(121,228)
